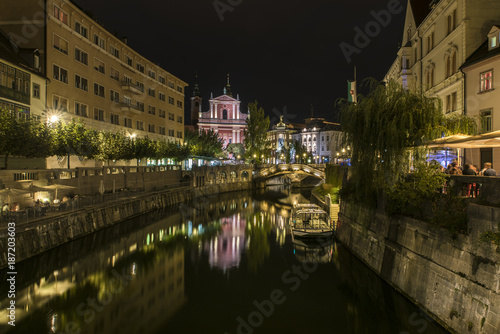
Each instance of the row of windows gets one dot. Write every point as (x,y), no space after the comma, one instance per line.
(62,46)
(83,110)
(14,79)
(82,83)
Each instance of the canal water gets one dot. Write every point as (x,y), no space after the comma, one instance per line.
(220,264)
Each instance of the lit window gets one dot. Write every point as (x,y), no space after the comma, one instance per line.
(486,81)
(61,15)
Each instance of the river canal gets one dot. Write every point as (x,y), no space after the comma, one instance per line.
(221,264)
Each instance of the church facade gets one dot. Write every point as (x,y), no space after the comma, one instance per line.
(224,116)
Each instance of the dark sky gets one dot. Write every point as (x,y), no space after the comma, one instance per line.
(285,54)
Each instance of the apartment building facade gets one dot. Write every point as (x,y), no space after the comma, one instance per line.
(482,97)
(438,37)
(94,75)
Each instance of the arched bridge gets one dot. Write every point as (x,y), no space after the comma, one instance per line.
(283,169)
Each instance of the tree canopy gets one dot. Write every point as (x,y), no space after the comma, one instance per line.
(256,134)
(385,126)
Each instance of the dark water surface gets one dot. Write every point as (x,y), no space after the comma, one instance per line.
(222,264)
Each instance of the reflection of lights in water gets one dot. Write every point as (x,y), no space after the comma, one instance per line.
(113,260)
(53,323)
(133,269)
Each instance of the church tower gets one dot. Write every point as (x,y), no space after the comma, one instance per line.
(195,103)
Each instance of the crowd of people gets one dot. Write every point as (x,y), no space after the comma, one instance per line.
(470,169)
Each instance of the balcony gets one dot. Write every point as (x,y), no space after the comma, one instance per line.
(129,86)
(15,95)
(128,106)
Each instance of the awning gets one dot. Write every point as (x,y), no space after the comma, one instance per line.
(490,139)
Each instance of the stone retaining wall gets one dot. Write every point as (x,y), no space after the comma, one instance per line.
(456,279)
(55,231)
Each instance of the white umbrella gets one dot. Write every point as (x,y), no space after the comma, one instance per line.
(57,187)
(13,192)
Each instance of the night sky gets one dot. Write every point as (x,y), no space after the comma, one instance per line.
(285,54)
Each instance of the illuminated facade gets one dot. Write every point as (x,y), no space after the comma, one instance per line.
(438,37)
(280,140)
(94,75)
(224,116)
(483,100)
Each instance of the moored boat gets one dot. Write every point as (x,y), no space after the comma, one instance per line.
(310,221)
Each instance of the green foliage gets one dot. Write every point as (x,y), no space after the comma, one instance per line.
(325,189)
(334,175)
(382,128)
(256,145)
(114,146)
(74,138)
(236,149)
(301,151)
(491,237)
(410,193)
(203,143)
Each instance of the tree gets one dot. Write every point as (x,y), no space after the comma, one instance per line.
(203,143)
(255,134)
(236,149)
(74,138)
(114,146)
(300,152)
(22,135)
(384,127)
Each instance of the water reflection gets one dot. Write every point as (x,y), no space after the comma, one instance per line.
(209,261)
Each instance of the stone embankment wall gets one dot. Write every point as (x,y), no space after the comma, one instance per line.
(49,233)
(455,278)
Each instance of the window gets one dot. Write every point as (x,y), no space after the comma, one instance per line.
(452,21)
(171,100)
(152,74)
(493,42)
(179,119)
(60,74)
(99,90)
(82,30)
(171,84)
(327,138)
(114,119)
(99,66)
(128,60)
(81,56)
(171,132)
(114,51)
(415,56)
(451,102)
(171,116)
(140,125)
(224,113)
(486,121)
(81,83)
(60,15)
(179,134)
(127,79)
(151,110)
(99,114)
(161,130)
(322,138)
(140,85)
(36,91)
(60,103)
(161,96)
(99,41)
(114,74)
(114,96)
(140,67)
(127,122)
(179,104)
(162,113)
(140,106)
(151,128)
(430,78)
(151,92)
(179,89)
(126,100)
(486,81)
(81,109)
(60,44)
(430,42)
(162,80)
